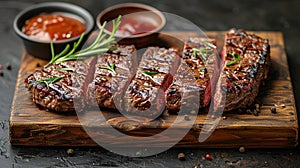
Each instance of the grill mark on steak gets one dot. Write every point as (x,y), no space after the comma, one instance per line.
(145,94)
(59,96)
(192,83)
(107,87)
(242,79)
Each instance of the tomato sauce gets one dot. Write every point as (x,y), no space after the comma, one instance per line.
(132,26)
(53,27)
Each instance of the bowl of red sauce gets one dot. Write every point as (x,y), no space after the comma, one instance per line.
(139,22)
(56,22)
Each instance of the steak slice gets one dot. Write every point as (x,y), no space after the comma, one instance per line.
(145,94)
(107,86)
(246,60)
(195,75)
(59,95)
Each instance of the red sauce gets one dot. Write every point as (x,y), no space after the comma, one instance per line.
(52,27)
(131,25)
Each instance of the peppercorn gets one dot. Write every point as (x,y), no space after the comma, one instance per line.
(255,112)
(207,157)
(38,64)
(181,156)
(1,73)
(8,66)
(273,109)
(242,149)
(70,152)
(256,106)
(186,117)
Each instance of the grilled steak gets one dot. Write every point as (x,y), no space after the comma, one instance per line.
(246,60)
(57,85)
(163,79)
(113,72)
(145,94)
(192,83)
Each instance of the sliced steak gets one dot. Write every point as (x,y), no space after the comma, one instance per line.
(108,84)
(195,75)
(145,94)
(246,60)
(69,84)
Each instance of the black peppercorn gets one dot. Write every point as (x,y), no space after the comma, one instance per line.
(181,156)
(8,66)
(273,109)
(255,112)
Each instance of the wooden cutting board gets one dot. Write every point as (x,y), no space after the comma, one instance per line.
(32,126)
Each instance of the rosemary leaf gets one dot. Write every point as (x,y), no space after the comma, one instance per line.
(209,44)
(235,59)
(109,67)
(48,81)
(66,69)
(101,44)
(146,72)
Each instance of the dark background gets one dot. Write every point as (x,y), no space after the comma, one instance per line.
(262,15)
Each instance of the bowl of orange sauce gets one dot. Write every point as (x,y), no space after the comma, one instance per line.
(56,22)
(139,22)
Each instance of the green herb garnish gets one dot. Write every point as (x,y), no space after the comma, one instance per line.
(150,73)
(101,44)
(49,81)
(209,44)
(201,51)
(66,69)
(109,67)
(236,59)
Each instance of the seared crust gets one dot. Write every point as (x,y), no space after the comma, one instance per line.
(241,80)
(194,75)
(145,94)
(107,86)
(60,95)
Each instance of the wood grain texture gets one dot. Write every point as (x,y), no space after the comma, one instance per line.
(31,126)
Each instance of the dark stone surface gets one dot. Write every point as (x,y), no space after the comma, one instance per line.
(276,15)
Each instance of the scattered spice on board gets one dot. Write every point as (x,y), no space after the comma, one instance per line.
(70,152)
(273,109)
(256,106)
(255,112)
(181,156)
(208,157)
(242,149)
(8,66)
(186,117)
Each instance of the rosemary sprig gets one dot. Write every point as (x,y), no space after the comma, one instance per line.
(49,81)
(204,50)
(235,59)
(201,51)
(66,69)
(209,44)
(101,44)
(150,73)
(109,67)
